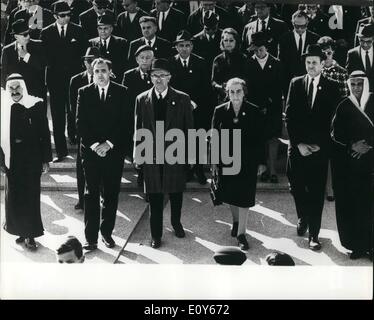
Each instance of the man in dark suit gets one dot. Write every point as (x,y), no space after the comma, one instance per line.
(102,124)
(37,17)
(166,107)
(361,57)
(207,42)
(128,25)
(311,103)
(88,19)
(138,80)
(64,43)
(77,7)
(246,12)
(318,21)
(362,23)
(190,75)
(111,47)
(195,21)
(169,20)
(263,21)
(292,45)
(161,47)
(78,81)
(25,57)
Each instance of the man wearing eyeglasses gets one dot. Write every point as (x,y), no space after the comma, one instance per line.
(88,19)
(166,106)
(64,43)
(26,57)
(361,57)
(292,45)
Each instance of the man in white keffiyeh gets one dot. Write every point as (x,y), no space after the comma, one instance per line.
(26,151)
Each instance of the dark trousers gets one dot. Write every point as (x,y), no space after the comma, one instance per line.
(103,176)
(81,181)
(59,101)
(307,177)
(156,202)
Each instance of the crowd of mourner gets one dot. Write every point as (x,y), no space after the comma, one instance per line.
(102,70)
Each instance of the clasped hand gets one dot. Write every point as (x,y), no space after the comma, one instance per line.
(307,149)
(359,148)
(102,149)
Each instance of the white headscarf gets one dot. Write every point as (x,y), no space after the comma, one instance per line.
(365,92)
(6,103)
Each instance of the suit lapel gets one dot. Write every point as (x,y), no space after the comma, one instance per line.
(170,107)
(150,110)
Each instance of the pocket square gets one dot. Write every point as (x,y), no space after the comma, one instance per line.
(73,40)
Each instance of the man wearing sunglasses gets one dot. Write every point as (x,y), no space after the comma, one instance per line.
(88,19)
(361,57)
(25,56)
(292,45)
(64,44)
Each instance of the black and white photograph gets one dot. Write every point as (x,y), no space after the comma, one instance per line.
(187,150)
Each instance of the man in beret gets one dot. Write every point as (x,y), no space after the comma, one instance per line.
(111,47)
(165,106)
(312,100)
(78,81)
(138,80)
(361,57)
(169,20)
(191,75)
(26,57)
(88,19)
(207,42)
(64,43)
(160,46)
(128,25)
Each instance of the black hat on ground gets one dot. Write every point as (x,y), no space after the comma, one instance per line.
(230,256)
(314,50)
(92,52)
(143,48)
(20,26)
(183,35)
(160,64)
(279,259)
(60,6)
(106,19)
(210,21)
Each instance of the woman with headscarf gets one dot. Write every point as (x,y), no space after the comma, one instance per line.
(229,64)
(353,166)
(26,151)
(239,190)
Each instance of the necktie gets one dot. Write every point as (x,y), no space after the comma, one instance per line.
(310,93)
(102,96)
(91,78)
(300,48)
(263,25)
(161,20)
(62,32)
(367,62)
(159,97)
(185,64)
(150,43)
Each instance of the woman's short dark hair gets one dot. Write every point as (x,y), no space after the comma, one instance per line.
(234,33)
(71,244)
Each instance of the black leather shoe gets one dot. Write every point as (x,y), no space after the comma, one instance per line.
(264,176)
(58,159)
(357,254)
(179,231)
(20,240)
(314,244)
(302,227)
(242,242)
(108,241)
(90,246)
(30,244)
(274,178)
(156,243)
(234,229)
(79,206)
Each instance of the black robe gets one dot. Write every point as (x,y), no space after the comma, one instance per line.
(30,146)
(353,178)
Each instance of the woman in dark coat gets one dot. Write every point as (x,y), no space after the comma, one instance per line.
(229,64)
(26,147)
(264,77)
(239,190)
(353,166)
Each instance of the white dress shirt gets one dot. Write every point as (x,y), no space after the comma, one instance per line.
(363,56)
(187,60)
(162,17)
(262,61)
(59,28)
(297,37)
(315,86)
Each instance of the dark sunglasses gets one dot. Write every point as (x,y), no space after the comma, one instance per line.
(101,7)
(63,15)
